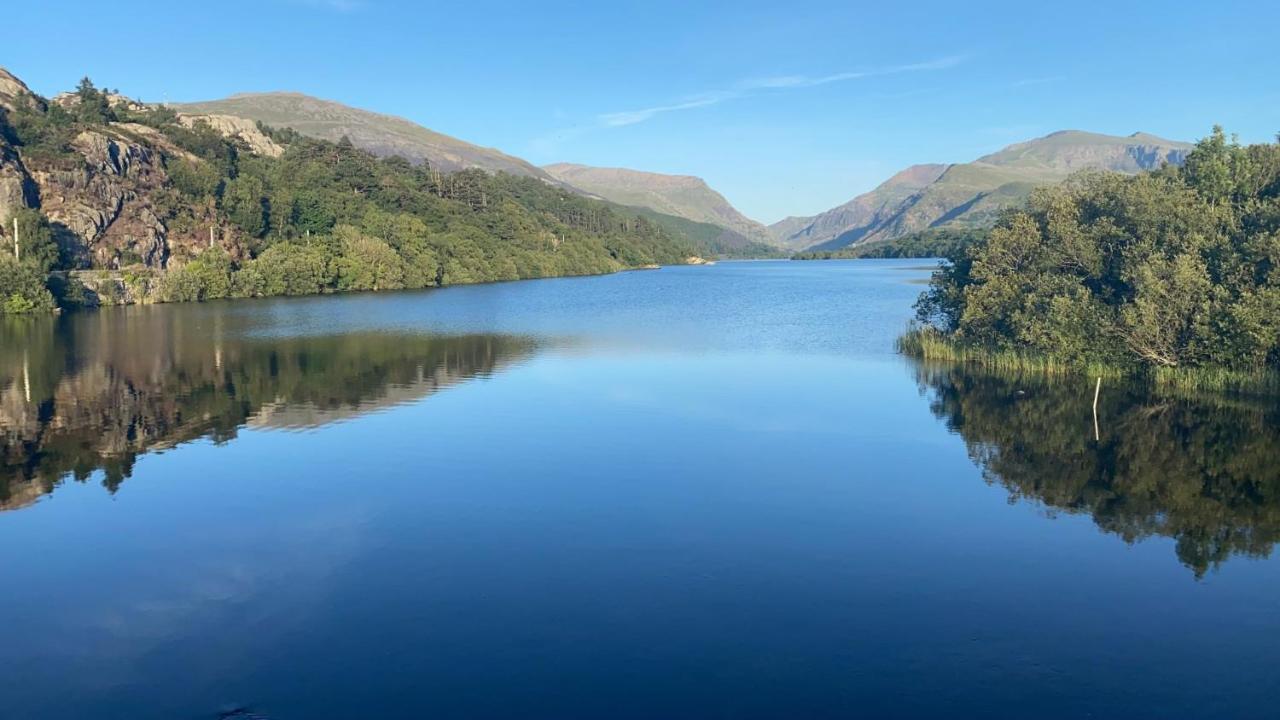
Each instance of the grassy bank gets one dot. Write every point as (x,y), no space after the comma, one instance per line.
(933,346)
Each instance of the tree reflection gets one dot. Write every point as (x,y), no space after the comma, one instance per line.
(92,392)
(1203,471)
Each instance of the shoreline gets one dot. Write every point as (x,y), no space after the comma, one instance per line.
(118,277)
(931,346)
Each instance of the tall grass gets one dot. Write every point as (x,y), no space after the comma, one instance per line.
(930,345)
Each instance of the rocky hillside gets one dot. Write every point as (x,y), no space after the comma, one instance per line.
(382,135)
(972,194)
(679,195)
(123,202)
(100,186)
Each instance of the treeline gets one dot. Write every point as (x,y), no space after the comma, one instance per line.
(931,243)
(324,217)
(1175,268)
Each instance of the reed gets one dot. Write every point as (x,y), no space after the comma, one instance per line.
(930,345)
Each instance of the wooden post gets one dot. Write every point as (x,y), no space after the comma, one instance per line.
(1096,389)
(210,236)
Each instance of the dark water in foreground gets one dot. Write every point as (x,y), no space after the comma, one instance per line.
(693,492)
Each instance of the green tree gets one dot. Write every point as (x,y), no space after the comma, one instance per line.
(92,106)
(22,288)
(36,245)
(244,200)
(366,263)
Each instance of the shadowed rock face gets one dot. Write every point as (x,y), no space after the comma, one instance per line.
(105,205)
(1202,471)
(87,394)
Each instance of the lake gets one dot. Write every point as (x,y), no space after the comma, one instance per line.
(682,493)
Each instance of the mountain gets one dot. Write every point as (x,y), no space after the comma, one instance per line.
(972,194)
(382,135)
(683,196)
(137,203)
(718,228)
(864,212)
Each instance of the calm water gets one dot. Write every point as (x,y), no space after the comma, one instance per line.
(684,493)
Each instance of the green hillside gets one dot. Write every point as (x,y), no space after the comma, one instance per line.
(679,195)
(382,135)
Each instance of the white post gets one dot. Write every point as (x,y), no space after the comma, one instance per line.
(16,251)
(1096,389)
(211,236)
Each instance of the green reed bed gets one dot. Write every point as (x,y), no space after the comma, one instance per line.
(930,345)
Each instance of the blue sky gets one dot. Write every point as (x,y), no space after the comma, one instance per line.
(786,108)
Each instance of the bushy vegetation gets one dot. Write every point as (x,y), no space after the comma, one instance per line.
(328,217)
(931,243)
(22,288)
(1176,268)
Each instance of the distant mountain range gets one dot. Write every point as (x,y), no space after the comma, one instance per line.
(972,194)
(917,198)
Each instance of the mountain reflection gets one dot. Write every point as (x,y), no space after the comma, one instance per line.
(92,392)
(1203,471)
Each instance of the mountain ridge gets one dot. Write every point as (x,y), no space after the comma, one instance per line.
(382,134)
(972,194)
(686,196)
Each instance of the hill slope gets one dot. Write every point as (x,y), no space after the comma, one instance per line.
(972,194)
(382,135)
(683,196)
(189,211)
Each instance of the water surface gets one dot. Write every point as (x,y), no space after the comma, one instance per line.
(690,492)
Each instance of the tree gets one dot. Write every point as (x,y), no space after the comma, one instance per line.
(366,263)
(246,205)
(22,288)
(36,246)
(92,106)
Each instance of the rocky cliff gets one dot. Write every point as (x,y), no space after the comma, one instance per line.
(104,188)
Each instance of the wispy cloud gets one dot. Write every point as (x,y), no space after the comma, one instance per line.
(754,86)
(631,117)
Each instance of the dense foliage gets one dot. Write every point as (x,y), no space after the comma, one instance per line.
(328,217)
(932,243)
(1178,267)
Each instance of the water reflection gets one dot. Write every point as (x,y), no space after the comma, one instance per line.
(92,392)
(1204,471)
